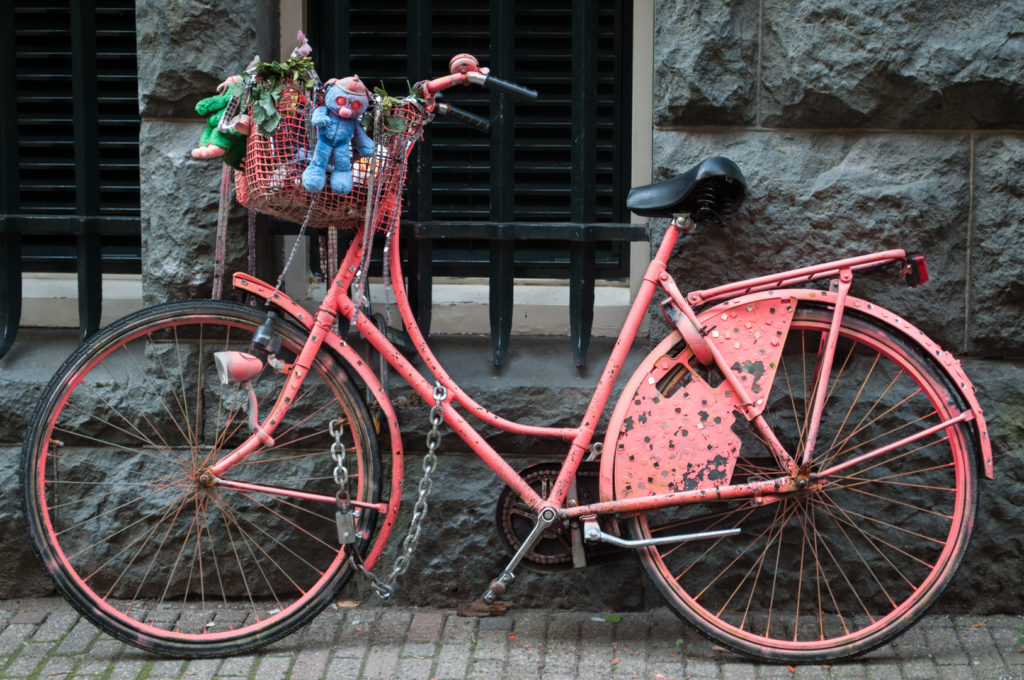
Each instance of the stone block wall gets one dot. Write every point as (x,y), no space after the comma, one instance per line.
(186,48)
(861,127)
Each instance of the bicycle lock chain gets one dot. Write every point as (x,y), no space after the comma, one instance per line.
(345,518)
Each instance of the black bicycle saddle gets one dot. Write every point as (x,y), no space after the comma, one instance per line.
(708,191)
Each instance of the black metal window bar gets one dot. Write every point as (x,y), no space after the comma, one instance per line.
(543,195)
(69,169)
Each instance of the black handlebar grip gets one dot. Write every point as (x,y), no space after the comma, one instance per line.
(466,118)
(519,92)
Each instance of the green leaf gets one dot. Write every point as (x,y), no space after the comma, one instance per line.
(612,618)
(395,124)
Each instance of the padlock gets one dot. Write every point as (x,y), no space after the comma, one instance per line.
(346,522)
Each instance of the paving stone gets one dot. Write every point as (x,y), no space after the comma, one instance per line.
(310,664)
(918,669)
(911,643)
(237,665)
(128,669)
(459,628)
(391,627)
(426,626)
(89,666)
(492,644)
(495,623)
(666,671)
(596,658)
(109,647)
(204,669)
(55,627)
(56,665)
(382,662)
(776,672)
(849,670)
(420,650)
(340,667)
(563,627)
(562,655)
(1007,632)
(355,635)
(524,663)
(531,624)
(166,668)
(709,670)
(955,672)
(29,618)
(321,630)
(487,668)
(78,639)
(452,660)
(23,665)
(559,672)
(811,673)
(414,668)
(989,667)
(944,645)
(882,670)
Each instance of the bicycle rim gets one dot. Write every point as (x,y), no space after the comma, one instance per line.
(851,562)
(117,512)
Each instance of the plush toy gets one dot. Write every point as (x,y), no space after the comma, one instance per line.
(338,130)
(214,142)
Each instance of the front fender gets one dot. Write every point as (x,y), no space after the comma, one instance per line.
(252,285)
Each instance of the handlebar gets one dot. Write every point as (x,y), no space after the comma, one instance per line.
(519,92)
(465,117)
(466,70)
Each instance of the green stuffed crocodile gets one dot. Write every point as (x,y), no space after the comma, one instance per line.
(214,142)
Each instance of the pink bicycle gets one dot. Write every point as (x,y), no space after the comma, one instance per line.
(795,467)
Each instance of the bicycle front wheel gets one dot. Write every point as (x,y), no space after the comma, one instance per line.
(129,528)
(857,557)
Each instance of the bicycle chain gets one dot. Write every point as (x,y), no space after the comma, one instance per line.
(385,588)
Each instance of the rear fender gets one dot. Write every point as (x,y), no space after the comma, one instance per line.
(949,363)
(626,472)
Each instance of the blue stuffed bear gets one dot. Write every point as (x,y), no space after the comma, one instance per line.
(338,129)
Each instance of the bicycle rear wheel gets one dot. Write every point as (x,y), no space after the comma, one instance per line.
(114,505)
(855,559)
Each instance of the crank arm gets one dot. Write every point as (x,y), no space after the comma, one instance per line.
(499,585)
(592,533)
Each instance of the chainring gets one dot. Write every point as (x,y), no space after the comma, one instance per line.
(553,552)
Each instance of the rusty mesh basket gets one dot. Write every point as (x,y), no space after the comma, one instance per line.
(272,180)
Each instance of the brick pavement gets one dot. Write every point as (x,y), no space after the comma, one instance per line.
(43,639)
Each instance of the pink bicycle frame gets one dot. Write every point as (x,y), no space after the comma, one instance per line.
(792,475)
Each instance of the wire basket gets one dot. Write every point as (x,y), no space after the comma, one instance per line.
(272,180)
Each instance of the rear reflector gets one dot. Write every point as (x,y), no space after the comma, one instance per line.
(915,270)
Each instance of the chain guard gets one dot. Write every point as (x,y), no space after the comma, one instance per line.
(553,552)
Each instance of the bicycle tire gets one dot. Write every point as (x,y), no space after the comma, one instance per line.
(117,514)
(845,566)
